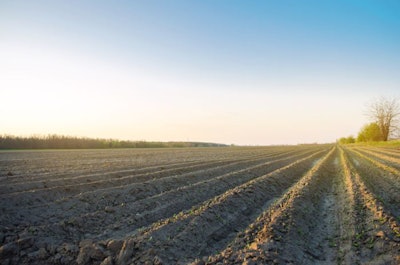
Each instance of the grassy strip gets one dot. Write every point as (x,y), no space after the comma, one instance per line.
(395,144)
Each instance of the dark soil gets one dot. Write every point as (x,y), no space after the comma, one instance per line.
(310,204)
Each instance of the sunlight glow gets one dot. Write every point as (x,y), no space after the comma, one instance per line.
(177,78)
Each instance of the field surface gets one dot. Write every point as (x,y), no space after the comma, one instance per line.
(309,204)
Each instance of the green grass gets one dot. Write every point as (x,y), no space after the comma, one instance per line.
(389,144)
(392,143)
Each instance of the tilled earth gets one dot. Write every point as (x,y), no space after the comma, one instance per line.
(306,204)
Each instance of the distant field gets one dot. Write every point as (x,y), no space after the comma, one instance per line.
(309,204)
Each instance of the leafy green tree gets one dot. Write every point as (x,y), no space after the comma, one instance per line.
(350,139)
(347,140)
(370,133)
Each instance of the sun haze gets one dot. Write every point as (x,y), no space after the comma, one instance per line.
(242,72)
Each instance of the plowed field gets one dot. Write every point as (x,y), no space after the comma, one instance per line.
(310,204)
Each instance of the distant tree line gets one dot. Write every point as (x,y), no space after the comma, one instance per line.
(67,142)
(383,114)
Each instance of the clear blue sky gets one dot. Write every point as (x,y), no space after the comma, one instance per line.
(243,72)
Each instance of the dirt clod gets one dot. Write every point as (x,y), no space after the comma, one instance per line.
(8,250)
(41,254)
(107,261)
(109,209)
(157,261)
(114,246)
(126,252)
(254,246)
(198,262)
(90,252)
(249,262)
(380,234)
(24,243)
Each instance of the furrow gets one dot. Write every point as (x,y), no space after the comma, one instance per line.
(40,182)
(111,196)
(208,227)
(42,165)
(142,186)
(96,181)
(380,179)
(347,254)
(383,161)
(117,220)
(386,152)
(185,197)
(294,215)
(377,233)
(97,178)
(127,169)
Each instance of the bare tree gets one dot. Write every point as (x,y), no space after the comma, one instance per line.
(385,112)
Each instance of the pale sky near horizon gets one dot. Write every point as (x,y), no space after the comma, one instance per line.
(242,72)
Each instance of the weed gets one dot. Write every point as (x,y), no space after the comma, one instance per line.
(381,220)
(340,256)
(219,218)
(300,232)
(72,206)
(360,235)
(380,199)
(192,211)
(32,230)
(332,243)
(370,242)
